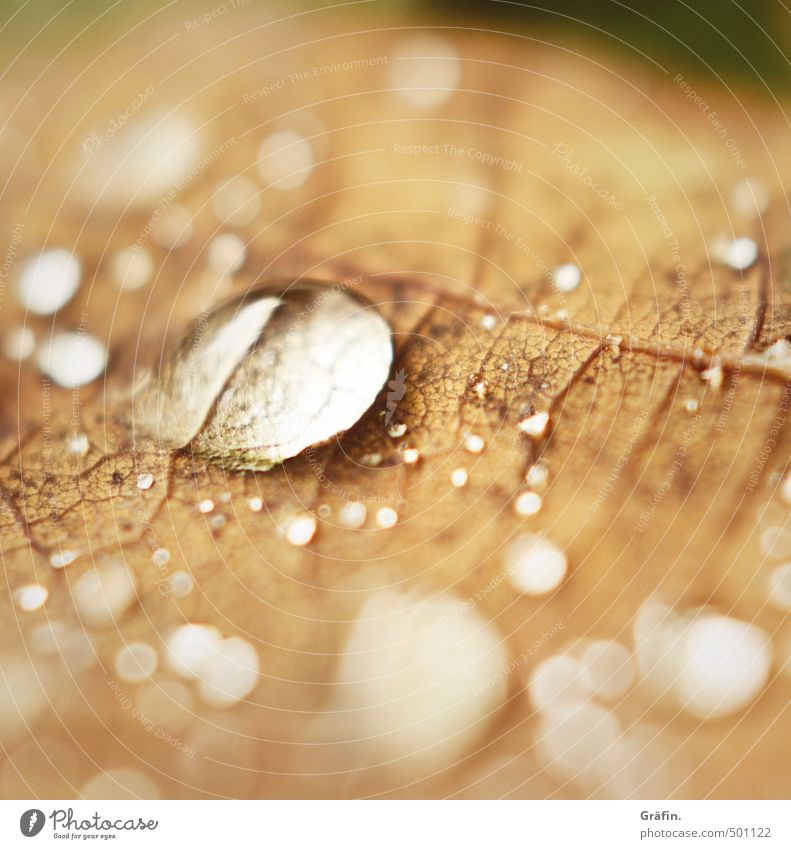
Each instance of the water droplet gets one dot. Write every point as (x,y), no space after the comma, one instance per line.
(135,662)
(161,557)
(535,564)
(31,597)
(740,253)
(174,228)
(145,481)
(266,375)
(227,253)
(48,281)
(352,514)
(489,322)
(714,665)
(237,201)
(713,375)
(749,197)
(206,506)
(425,70)
(119,783)
(607,669)
(372,460)
(725,664)
(780,587)
(285,160)
(535,426)
(691,406)
(19,343)
(300,530)
(575,739)
(785,489)
(180,584)
(63,558)
(386,517)
(411,456)
(78,444)
(776,542)
(142,162)
(191,648)
(474,444)
(230,674)
(537,476)
(555,680)
(256,504)
(420,679)
(72,359)
(527,503)
(131,268)
(459,477)
(567,277)
(103,594)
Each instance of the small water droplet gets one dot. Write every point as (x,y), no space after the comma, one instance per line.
(607,669)
(72,359)
(161,557)
(206,506)
(19,343)
(231,674)
(527,503)
(713,375)
(180,583)
(31,597)
(285,160)
(780,587)
(425,70)
(352,514)
(174,228)
(537,476)
(191,648)
(300,530)
(776,542)
(256,504)
(535,564)
(48,281)
(237,201)
(63,558)
(131,268)
(268,374)
(411,456)
(567,277)
(78,444)
(386,517)
(749,197)
(145,481)
(489,322)
(103,594)
(740,253)
(135,662)
(534,426)
(459,477)
(474,444)
(227,253)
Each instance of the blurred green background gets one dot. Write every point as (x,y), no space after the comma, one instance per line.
(745,42)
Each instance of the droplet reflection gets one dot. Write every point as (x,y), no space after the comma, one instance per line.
(268,374)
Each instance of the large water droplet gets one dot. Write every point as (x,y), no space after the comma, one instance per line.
(267,374)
